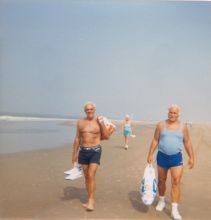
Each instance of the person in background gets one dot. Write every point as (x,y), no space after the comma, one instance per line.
(127,131)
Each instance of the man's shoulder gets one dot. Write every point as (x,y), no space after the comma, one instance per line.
(83,121)
(80,121)
(160,125)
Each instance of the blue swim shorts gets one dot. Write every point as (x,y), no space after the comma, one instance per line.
(167,161)
(88,155)
(127,132)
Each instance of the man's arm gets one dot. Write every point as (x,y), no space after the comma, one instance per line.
(188,147)
(76,145)
(154,143)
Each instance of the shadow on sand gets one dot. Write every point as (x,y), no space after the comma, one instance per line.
(119,147)
(71,193)
(136,202)
(166,210)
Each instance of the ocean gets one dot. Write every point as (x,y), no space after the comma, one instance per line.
(30,133)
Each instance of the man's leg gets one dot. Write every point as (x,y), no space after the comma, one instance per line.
(176,174)
(92,185)
(162,175)
(85,168)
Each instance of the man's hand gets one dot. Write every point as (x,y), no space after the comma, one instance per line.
(74,158)
(100,119)
(190,163)
(104,128)
(150,158)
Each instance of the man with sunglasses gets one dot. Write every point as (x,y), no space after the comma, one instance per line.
(87,149)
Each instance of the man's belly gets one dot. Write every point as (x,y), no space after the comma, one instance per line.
(90,141)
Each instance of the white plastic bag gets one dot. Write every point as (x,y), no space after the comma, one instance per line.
(75,173)
(148,188)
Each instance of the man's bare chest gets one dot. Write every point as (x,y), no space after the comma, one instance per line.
(89,127)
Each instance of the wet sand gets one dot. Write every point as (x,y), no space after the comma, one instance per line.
(33,185)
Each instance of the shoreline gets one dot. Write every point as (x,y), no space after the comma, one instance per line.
(12,118)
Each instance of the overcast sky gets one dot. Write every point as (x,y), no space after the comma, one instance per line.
(126,56)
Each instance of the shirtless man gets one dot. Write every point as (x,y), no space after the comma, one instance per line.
(90,131)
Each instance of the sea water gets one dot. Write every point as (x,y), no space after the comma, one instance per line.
(25,135)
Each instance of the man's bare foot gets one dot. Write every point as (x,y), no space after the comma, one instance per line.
(90,205)
(85,205)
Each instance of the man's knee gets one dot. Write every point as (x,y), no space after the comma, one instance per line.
(86,177)
(175,181)
(91,176)
(86,174)
(162,180)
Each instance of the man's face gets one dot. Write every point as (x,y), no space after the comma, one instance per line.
(173,114)
(90,111)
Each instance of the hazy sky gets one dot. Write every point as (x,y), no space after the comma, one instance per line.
(126,56)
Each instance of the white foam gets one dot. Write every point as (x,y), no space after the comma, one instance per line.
(25,118)
(22,118)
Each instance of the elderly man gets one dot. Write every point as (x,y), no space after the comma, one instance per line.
(90,131)
(169,137)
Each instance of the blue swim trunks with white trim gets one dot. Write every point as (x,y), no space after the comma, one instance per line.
(167,161)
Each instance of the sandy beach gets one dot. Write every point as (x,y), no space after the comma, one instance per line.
(33,185)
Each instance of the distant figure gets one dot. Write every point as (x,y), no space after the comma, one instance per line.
(90,132)
(190,123)
(127,131)
(170,136)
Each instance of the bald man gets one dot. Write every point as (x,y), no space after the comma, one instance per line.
(87,149)
(170,136)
